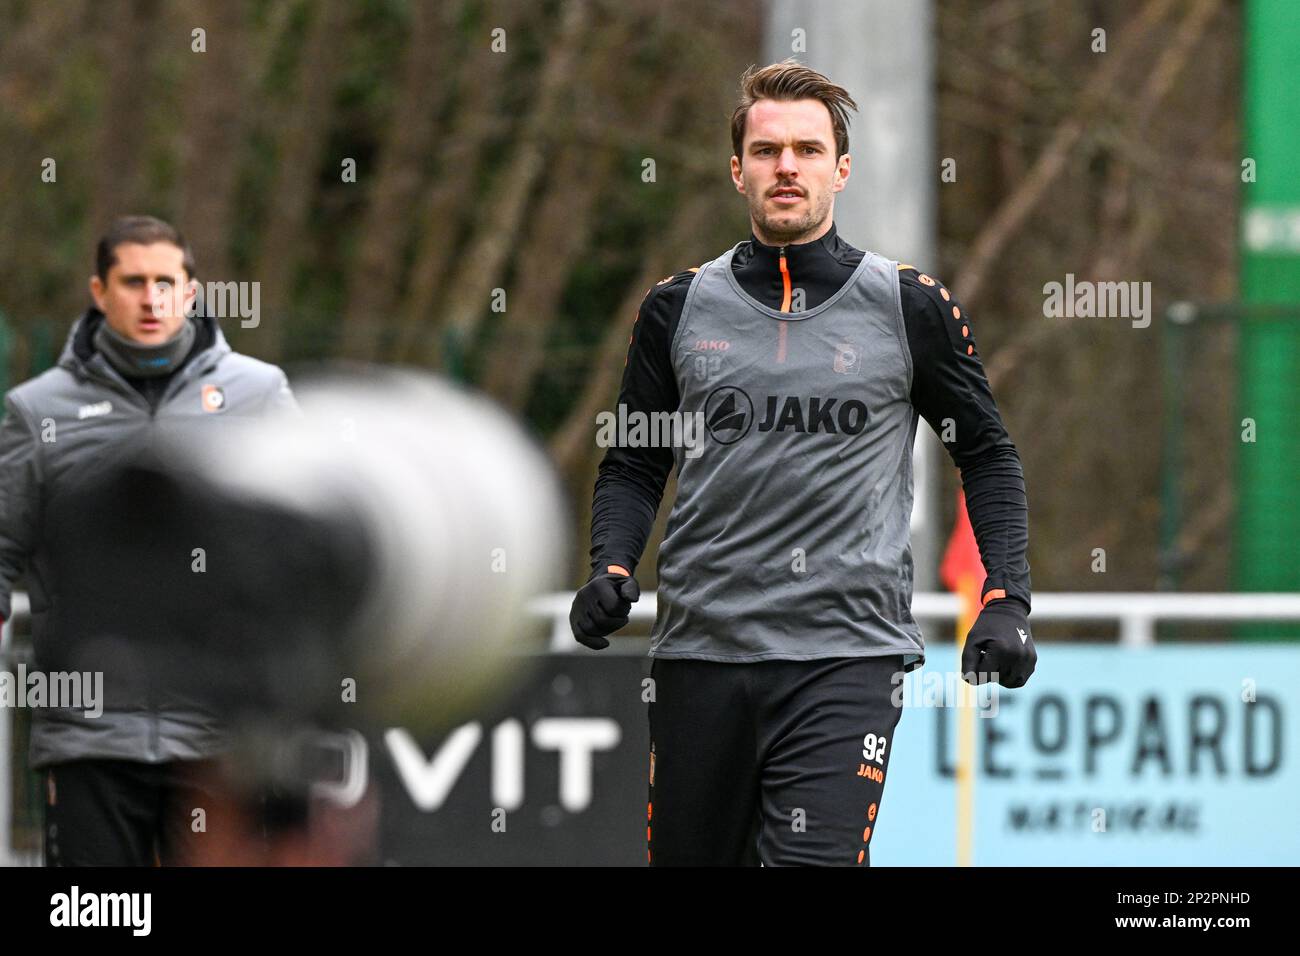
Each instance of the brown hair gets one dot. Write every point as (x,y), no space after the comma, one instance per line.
(791,80)
(144,230)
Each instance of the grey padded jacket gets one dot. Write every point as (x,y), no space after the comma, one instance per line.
(59,426)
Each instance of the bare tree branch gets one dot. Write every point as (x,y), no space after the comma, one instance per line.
(128,58)
(1157,87)
(452,189)
(298,159)
(214,131)
(571,443)
(375,277)
(1013,212)
(482,263)
(559,231)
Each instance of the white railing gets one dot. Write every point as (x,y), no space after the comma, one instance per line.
(19,608)
(1136,612)
(8,857)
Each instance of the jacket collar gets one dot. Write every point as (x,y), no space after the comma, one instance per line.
(819,268)
(80,358)
(801,257)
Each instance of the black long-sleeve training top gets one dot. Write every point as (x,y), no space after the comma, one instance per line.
(949,390)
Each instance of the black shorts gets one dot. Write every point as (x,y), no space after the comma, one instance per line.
(122,812)
(779,762)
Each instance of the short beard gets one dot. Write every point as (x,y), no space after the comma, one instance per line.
(790,232)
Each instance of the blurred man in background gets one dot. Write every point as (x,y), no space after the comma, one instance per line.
(140,364)
(785,576)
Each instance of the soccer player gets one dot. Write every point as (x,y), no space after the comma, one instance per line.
(135,368)
(785,576)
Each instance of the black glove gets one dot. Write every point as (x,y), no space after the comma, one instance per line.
(1000,643)
(602,606)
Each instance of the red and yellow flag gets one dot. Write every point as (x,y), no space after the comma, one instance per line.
(962,572)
